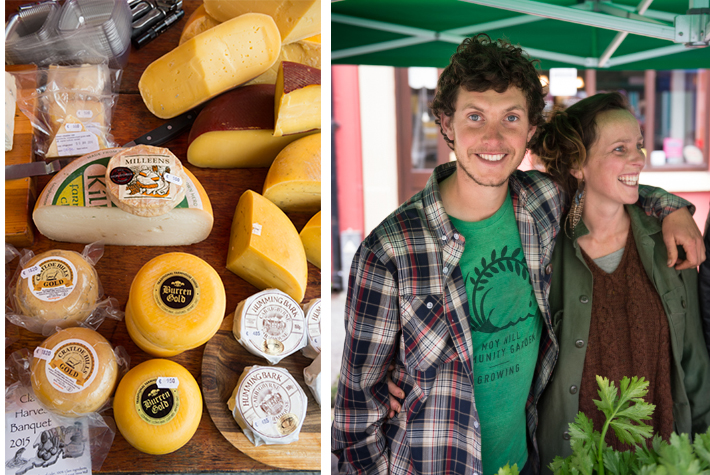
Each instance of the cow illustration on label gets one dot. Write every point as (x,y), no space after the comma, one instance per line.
(149,182)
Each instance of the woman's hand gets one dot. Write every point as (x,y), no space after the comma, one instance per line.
(394,391)
(680,229)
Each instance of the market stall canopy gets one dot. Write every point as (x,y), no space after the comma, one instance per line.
(619,35)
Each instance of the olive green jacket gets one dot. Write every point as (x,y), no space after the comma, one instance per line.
(571,306)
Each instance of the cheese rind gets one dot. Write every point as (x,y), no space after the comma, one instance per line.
(75,207)
(294,179)
(311,239)
(153,418)
(312,311)
(236,130)
(265,249)
(297,100)
(295,19)
(221,58)
(305,51)
(199,22)
(79,374)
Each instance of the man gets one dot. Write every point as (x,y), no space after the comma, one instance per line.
(452,288)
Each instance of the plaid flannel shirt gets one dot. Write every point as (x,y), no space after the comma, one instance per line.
(407,303)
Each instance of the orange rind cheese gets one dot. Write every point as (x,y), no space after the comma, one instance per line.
(310,237)
(294,179)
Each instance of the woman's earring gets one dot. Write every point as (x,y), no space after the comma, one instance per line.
(575,212)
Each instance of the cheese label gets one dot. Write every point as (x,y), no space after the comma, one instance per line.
(167,382)
(313,322)
(43,353)
(55,280)
(149,179)
(156,405)
(176,293)
(273,323)
(84,113)
(76,143)
(73,366)
(256,229)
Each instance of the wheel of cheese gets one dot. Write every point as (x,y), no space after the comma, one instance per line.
(177,302)
(269,405)
(57,286)
(74,372)
(158,406)
(141,341)
(270,324)
(145,180)
(312,312)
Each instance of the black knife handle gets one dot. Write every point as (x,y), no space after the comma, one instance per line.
(169,130)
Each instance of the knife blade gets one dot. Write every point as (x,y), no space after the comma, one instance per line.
(158,136)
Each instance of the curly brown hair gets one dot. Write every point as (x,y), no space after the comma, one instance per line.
(480,64)
(563,142)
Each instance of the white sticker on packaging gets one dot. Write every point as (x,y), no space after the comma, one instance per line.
(73,127)
(256,229)
(76,143)
(30,271)
(56,279)
(164,382)
(173,179)
(253,333)
(84,114)
(43,353)
(73,366)
(262,422)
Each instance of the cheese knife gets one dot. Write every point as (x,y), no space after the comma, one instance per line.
(158,136)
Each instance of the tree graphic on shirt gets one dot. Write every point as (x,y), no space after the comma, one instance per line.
(483,284)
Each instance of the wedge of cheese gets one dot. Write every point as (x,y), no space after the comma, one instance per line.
(236,130)
(265,249)
(75,207)
(221,58)
(72,139)
(310,236)
(294,179)
(295,19)
(199,22)
(297,101)
(305,51)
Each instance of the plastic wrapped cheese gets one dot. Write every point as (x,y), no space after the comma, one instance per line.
(311,374)
(270,324)
(269,405)
(312,312)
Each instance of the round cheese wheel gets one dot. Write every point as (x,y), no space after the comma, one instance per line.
(145,180)
(270,324)
(141,341)
(57,285)
(177,302)
(74,372)
(269,405)
(158,406)
(312,311)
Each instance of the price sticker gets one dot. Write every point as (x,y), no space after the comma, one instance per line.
(262,422)
(30,271)
(176,180)
(164,382)
(316,340)
(84,114)
(256,229)
(43,353)
(73,127)
(253,333)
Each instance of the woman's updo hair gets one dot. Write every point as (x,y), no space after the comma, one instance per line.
(563,141)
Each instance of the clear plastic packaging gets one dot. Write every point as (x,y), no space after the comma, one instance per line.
(59,289)
(311,374)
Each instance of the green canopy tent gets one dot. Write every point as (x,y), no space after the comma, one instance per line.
(618,35)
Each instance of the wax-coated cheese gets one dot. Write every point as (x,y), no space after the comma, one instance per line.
(74,372)
(295,19)
(297,100)
(265,249)
(306,51)
(269,405)
(141,341)
(310,237)
(313,318)
(177,302)
(75,207)
(145,180)
(158,406)
(294,179)
(199,22)
(58,286)
(236,130)
(270,324)
(221,58)
(10,105)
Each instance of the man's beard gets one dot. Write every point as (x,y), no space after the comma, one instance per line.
(494,185)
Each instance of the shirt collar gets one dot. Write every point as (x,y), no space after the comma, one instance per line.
(433,207)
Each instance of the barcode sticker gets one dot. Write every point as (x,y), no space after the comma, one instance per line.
(173,179)
(73,127)
(30,271)
(43,353)
(164,382)
(256,229)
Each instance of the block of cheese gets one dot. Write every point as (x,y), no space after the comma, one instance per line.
(293,182)
(91,79)
(57,286)
(221,58)
(199,22)
(158,406)
(145,180)
(306,51)
(236,130)
(297,101)
(265,249)
(10,104)
(312,312)
(269,405)
(270,324)
(311,374)
(74,372)
(177,303)
(75,207)
(72,138)
(295,19)
(310,237)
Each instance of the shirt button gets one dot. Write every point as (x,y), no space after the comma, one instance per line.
(475,424)
(446,270)
(584,299)
(565,435)
(456,236)
(443,238)
(429,305)
(579,343)
(573,389)
(548,269)
(682,303)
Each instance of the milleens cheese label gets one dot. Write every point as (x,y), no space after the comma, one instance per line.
(146,176)
(270,324)
(312,310)
(269,405)
(73,365)
(51,279)
(157,403)
(176,293)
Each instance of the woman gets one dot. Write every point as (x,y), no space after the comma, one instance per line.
(618,310)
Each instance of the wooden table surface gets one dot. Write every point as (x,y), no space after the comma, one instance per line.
(208,451)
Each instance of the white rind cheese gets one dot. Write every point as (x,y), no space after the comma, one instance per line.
(270,324)
(312,310)
(269,405)
(311,374)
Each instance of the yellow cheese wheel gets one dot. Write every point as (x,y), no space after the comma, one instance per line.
(177,302)
(158,406)
(59,286)
(74,372)
(142,342)
(310,237)
(265,249)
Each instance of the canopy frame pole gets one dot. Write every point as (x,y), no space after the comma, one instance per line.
(649,54)
(621,36)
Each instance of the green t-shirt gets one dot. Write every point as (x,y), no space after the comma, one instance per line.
(505,326)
